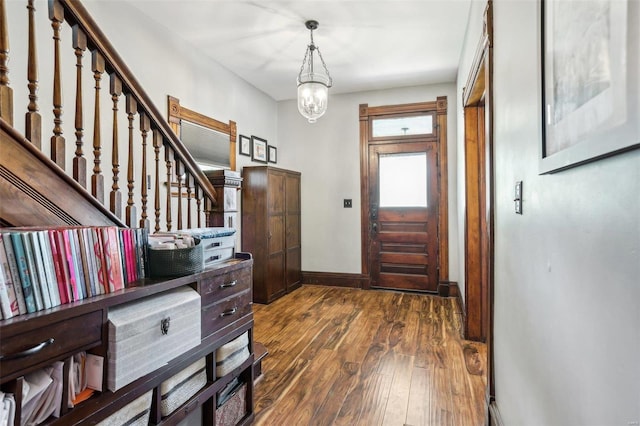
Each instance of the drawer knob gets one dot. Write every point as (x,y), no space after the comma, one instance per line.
(231,284)
(34,350)
(165,324)
(229,312)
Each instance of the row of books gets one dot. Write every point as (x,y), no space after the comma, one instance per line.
(41,268)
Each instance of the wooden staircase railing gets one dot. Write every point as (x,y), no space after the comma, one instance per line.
(141,139)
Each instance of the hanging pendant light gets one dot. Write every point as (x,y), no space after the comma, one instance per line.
(313,86)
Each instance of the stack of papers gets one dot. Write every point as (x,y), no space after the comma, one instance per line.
(42,394)
(7,409)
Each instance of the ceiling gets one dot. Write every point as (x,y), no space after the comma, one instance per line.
(366,44)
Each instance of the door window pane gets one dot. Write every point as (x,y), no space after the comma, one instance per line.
(403,180)
(402,126)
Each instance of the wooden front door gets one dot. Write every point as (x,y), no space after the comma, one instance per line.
(403,208)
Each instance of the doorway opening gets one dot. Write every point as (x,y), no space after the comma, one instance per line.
(403,175)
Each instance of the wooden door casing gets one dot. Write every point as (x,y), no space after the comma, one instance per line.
(367,114)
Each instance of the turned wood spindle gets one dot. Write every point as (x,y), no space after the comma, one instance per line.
(167,159)
(189,183)
(199,204)
(33,120)
(130,211)
(179,175)
(6,92)
(79,161)
(56,15)
(115,198)
(97,179)
(145,126)
(157,144)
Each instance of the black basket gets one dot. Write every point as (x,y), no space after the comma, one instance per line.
(176,262)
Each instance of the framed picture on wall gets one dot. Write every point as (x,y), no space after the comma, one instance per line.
(245,145)
(258,149)
(272,154)
(590,77)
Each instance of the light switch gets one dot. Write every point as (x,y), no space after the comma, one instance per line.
(347,203)
(518,197)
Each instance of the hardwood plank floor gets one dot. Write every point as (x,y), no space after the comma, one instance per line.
(340,356)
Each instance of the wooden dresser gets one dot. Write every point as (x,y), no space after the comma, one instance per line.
(271,230)
(58,333)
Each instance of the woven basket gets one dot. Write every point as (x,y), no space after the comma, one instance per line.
(176,262)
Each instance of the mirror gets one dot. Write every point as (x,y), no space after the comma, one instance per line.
(212,143)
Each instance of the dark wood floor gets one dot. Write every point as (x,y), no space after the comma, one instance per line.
(342,356)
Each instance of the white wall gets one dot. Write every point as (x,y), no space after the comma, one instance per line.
(567,295)
(328,156)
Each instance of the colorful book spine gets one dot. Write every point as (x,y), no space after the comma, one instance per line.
(6,286)
(13,267)
(35,283)
(98,255)
(61,280)
(38,263)
(49,269)
(23,270)
(73,282)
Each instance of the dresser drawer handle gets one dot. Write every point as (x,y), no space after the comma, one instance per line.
(212,258)
(214,245)
(229,312)
(231,284)
(34,350)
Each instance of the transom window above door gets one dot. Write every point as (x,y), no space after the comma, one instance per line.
(402,126)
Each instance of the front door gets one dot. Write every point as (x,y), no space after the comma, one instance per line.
(403,209)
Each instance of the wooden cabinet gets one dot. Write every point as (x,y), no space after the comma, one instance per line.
(34,341)
(271,230)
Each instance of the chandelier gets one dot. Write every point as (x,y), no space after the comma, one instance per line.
(313,86)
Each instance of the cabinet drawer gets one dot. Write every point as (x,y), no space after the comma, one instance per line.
(221,314)
(47,344)
(225,285)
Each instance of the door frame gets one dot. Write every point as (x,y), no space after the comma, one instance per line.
(366,113)
(477,102)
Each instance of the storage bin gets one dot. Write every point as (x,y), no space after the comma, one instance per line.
(231,355)
(176,262)
(177,390)
(136,413)
(146,334)
(234,409)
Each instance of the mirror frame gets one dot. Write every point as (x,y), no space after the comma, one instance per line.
(177,113)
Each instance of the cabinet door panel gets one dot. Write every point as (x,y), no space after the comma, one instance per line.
(293,230)
(275,276)
(293,267)
(275,193)
(276,234)
(293,194)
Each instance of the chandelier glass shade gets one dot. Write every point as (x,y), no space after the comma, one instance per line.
(313,85)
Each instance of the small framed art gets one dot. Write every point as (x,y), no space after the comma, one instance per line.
(258,149)
(245,145)
(272,154)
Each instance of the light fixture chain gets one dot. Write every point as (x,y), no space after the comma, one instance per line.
(306,54)
(325,66)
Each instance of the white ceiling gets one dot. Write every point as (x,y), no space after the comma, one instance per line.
(366,44)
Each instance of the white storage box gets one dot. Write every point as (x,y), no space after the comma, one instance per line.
(232,354)
(177,390)
(146,334)
(136,413)
(218,243)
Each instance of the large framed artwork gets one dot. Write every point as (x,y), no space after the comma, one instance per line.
(590,73)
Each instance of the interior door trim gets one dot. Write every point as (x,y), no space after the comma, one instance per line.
(366,113)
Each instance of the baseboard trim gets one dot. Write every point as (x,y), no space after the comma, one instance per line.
(494,415)
(334,279)
(448,289)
